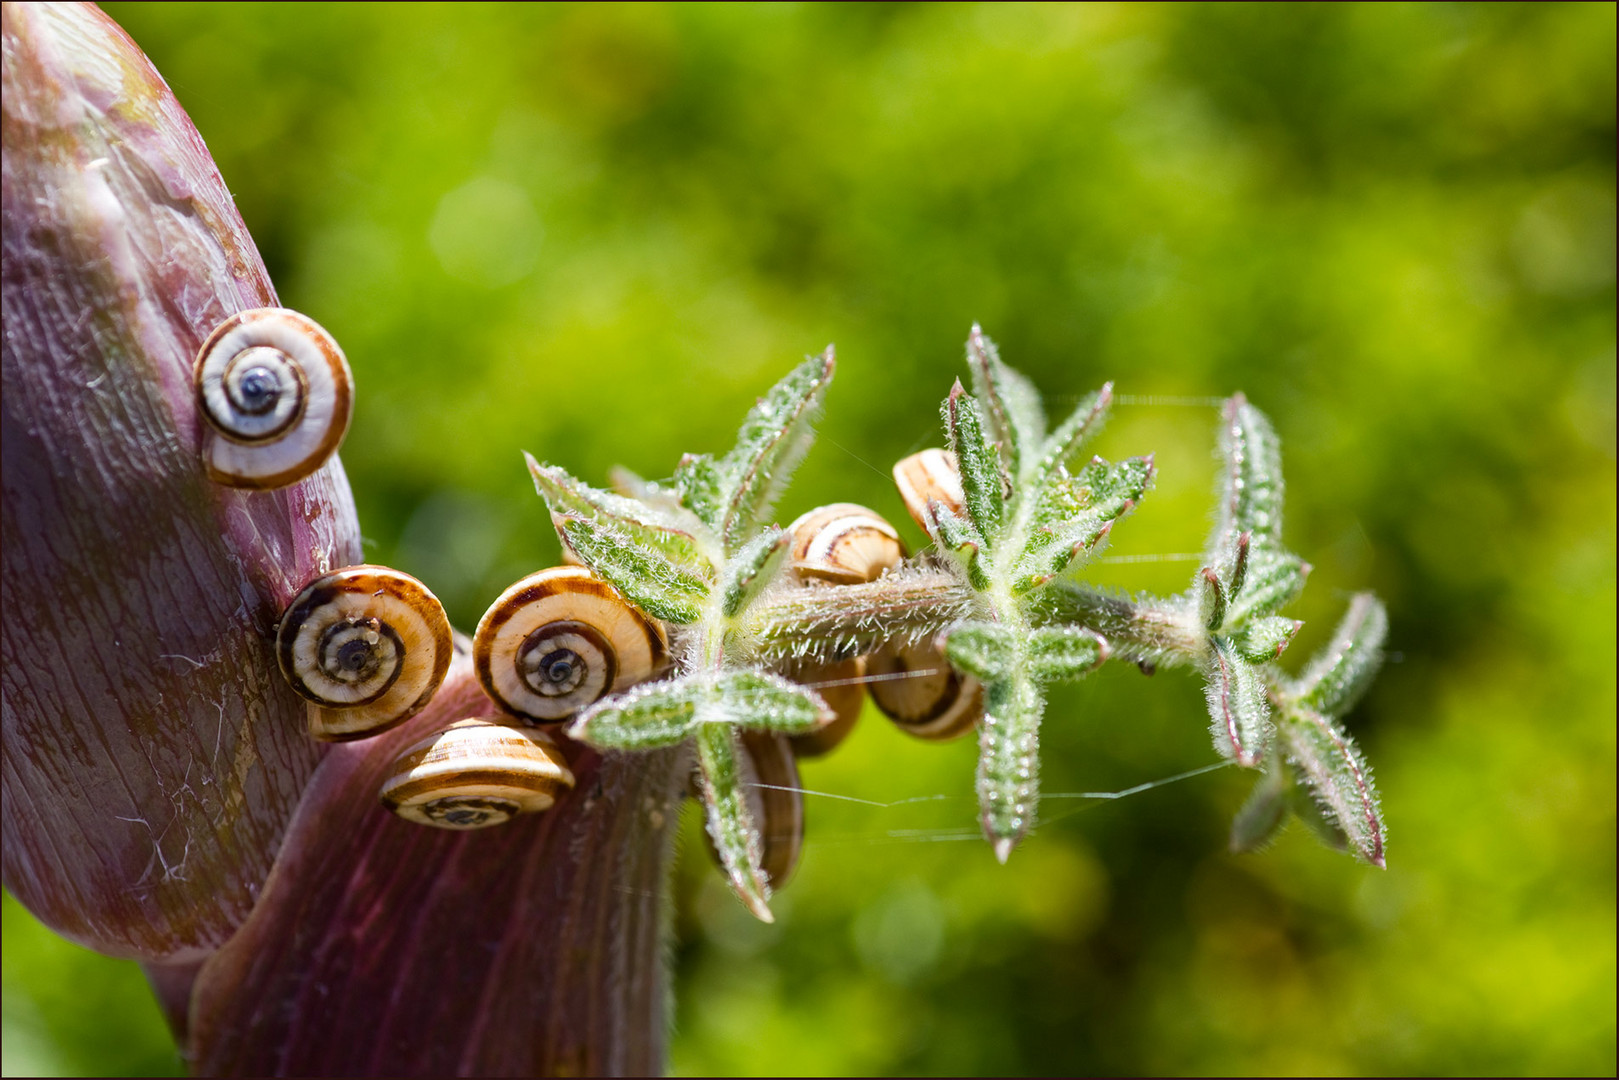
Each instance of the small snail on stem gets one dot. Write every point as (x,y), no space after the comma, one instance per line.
(560,639)
(369,645)
(929,476)
(276,393)
(915,686)
(476,773)
(843,543)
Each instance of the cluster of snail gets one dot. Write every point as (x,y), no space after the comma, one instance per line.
(368,646)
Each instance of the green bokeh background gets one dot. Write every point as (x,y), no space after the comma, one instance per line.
(596,233)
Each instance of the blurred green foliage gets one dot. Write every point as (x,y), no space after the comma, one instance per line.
(596,233)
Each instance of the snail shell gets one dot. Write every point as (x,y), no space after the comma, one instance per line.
(930,475)
(844,543)
(771,786)
(916,687)
(476,773)
(841,685)
(368,644)
(561,639)
(276,393)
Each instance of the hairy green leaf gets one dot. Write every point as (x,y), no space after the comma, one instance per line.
(986,651)
(1340,673)
(1073,433)
(1331,767)
(1263,640)
(730,824)
(982,482)
(1264,811)
(1251,480)
(657,586)
(775,436)
(758,699)
(645,524)
(1239,714)
(1273,579)
(1064,652)
(753,568)
(1010,403)
(1009,761)
(645,717)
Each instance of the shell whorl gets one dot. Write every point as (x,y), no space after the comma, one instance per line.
(560,639)
(929,476)
(916,687)
(276,393)
(476,773)
(368,644)
(844,543)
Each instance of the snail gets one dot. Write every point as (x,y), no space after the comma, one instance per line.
(841,685)
(915,686)
(844,543)
(929,476)
(276,393)
(561,639)
(368,644)
(770,781)
(476,773)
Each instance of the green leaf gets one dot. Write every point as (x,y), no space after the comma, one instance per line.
(700,486)
(753,568)
(1211,599)
(643,524)
(982,482)
(1009,761)
(1076,513)
(730,823)
(1331,767)
(758,699)
(960,539)
(775,436)
(1263,640)
(1337,676)
(986,651)
(1064,652)
(1010,403)
(1239,712)
(1251,480)
(1256,823)
(1273,578)
(645,717)
(657,586)
(1073,433)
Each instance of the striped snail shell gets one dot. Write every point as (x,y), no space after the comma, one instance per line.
(770,784)
(476,773)
(915,686)
(929,476)
(841,685)
(276,393)
(844,543)
(561,639)
(368,644)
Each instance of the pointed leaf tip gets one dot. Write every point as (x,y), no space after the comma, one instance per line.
(1003,849)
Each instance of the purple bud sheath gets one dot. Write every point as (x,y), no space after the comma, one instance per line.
(162,799)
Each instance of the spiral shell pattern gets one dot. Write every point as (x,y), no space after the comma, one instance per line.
(915,686)
(929,476)
(561,639)
(476,773)
(276,393)
(368,644)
